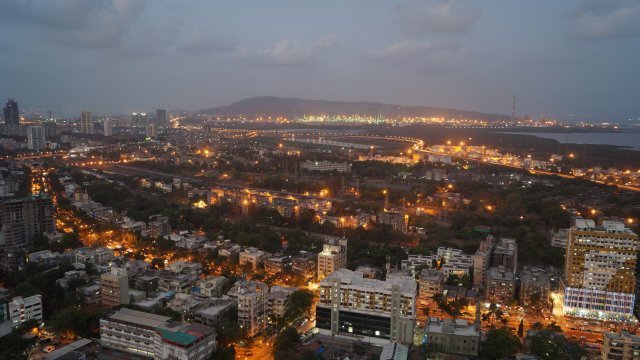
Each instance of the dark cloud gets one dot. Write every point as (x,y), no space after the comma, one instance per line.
(421,55)
(289,53)
(605,19)
(438,16)
(75,23)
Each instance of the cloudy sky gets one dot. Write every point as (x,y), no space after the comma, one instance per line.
(568,59)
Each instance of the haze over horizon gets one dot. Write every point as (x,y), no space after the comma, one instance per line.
(574,60)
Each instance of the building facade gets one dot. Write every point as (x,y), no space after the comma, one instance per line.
(22,219)
(431,283)
(452,336)
(114,287)
(155,336)
(252,297)
(86,123)
(501,285)
(620,346)
(11,113)
(23,309)
(600,265)
(36,138)
(332,257)
(371,310)
(482,260)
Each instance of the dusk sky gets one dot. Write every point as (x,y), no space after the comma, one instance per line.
(578,57)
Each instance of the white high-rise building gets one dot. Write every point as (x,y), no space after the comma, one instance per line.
(107,129)
(23,309)
(332,257)
(35,138)
(377,311)
(252,299)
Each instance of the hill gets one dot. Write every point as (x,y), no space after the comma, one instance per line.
(277,106)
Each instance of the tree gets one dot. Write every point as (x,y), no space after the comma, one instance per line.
(500,344)
(299,304)
(550,344)
(286,341)
(521,328)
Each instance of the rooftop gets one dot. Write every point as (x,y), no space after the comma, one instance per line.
(139,318)
(356,279)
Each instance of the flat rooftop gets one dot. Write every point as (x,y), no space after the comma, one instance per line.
(139,318)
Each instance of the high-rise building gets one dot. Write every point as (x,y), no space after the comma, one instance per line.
(86,123)
(252,299)
(378,311)
(22,219)
(5,321)
(114,287)
(482,260)
(600,263)
(161,116)
(35,138)
(332,257)
(107,126)
(620,346)
(151,131)
(11,113)
(155,336)
(139,119)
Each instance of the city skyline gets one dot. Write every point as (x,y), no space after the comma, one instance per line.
(127,56)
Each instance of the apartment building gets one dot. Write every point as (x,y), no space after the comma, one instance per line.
(431,283)
(372,310)
(482,260)
(252,297)
(501,285)
(252,256)
(620,346)
(534,287)
(332,257)
(114,287)
(22,309)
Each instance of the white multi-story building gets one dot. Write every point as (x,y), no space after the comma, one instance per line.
(252,297)
(332,257)
(559,238)
(326,166)
(372,310)
(600,265)
(501,285)
(23,309)
(156,336)
(252,256)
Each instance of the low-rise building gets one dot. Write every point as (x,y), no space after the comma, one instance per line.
(620,346)
(452,336)
(252,256)
(209,287)
(23,309)
(213,310)
(277,300)
(324,166)
(45,258)
(276,264)
(158,337)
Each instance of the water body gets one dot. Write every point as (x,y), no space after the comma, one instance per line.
(627,138)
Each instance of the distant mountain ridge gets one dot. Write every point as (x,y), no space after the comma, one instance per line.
(279,106)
